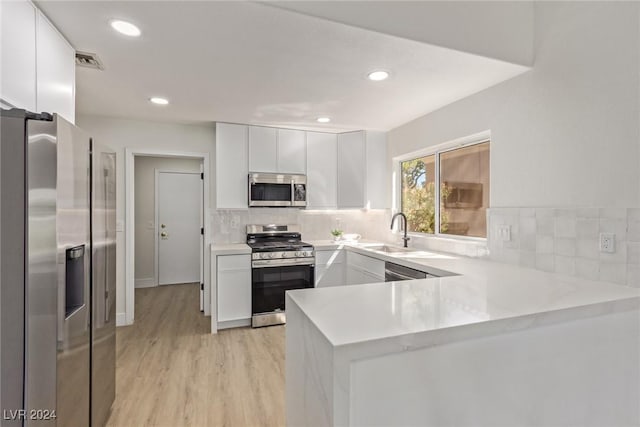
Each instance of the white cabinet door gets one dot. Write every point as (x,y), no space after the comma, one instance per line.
(234,287)
(18,54)
(330,268)
(322,170)
(376,163)
(292,152)
(363,269)
(351,170)
(263,149)
(56,72)
(232,168)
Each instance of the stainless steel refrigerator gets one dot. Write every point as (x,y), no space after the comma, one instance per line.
(57,273)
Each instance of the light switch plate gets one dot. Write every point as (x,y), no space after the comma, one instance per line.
(607,243)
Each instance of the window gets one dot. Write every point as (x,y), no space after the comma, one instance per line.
(458,207)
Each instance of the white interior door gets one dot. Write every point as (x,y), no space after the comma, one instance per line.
(179,206)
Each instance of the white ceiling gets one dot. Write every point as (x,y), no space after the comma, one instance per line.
(250,63)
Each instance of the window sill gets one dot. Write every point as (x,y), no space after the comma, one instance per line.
(474,247)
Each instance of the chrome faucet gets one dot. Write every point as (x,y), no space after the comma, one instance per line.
(393,219)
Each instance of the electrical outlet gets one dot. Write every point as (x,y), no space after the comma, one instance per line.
(235,221)
(607,242)
(504,232)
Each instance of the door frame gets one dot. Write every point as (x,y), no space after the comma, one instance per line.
(129,225)
(156,252)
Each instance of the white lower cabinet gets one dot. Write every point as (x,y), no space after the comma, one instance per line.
(341,267)
(330,268)
(234,287)
(363,269)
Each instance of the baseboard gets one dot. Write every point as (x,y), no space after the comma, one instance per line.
(238,323)
(147,282)
(121,319)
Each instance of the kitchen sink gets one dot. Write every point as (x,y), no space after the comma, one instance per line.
(390,249)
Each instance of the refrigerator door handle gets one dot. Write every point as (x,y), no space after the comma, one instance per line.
(106,252)
(106,306)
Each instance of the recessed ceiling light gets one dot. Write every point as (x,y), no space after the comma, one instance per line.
(323,119)
(159,101)
(126,28)
(378,75)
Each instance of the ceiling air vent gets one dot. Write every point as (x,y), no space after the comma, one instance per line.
(89,60)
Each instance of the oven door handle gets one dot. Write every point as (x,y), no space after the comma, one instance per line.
(281,263)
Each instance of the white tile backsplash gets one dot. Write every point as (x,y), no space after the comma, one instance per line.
(229,226)
(562,240)
(588,248)
(565,246)
(565,226)
(566,241)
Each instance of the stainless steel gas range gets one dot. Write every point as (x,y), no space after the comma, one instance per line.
(280,262)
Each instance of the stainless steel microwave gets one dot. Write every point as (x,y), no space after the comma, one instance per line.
(277,190)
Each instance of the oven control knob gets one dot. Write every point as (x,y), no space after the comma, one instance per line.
(284,254)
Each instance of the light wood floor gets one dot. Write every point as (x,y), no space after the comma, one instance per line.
(170,371)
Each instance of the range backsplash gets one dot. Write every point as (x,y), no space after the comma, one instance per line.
(229,226)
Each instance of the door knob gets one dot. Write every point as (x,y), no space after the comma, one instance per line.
(163,226)
(164,234)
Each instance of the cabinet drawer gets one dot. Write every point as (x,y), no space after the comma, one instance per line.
(234,262)
(371,265)
(330,257)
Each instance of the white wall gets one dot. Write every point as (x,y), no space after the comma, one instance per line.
(121,134)
(145,185)
(565,133)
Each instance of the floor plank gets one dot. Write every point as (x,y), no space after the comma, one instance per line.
(170,371)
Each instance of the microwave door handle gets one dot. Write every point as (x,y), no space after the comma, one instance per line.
(293,193)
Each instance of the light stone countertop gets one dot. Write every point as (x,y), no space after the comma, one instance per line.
(230,249)
(483,297)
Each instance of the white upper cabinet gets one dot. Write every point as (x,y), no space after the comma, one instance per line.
(292,154)
(232,166)
(263,149)
(344,171)
(38,64)
(18,54)
(277,150)
(322,170)
(376,196)
(351,170)
(362,166)
(56,72)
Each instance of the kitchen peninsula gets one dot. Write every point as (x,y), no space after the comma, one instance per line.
(493,345)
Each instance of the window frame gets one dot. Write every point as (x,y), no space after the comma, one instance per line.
(436,150)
